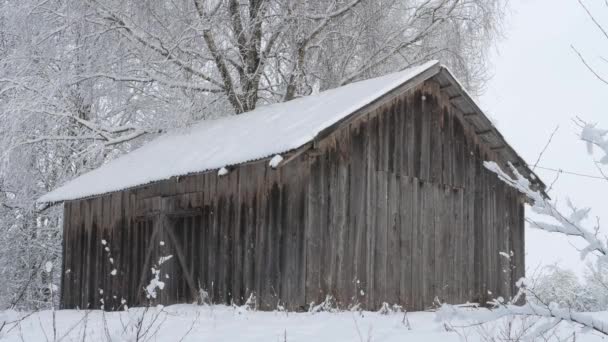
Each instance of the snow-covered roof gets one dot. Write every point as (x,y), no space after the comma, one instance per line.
(213,144)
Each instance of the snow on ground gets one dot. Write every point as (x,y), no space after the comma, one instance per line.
(223,323)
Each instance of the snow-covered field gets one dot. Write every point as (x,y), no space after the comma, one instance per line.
(223,323)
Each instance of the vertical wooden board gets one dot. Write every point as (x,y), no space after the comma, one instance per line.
(285,226)
(292,224)
(446,136)
(101,217)
(407,137)
(240,241)
(417,145)
(261,232)
(394,258)
(426,129)
(372,198)
(192,241)
(328,213)
(521,248)
(224,256)
(458,153)
(397,141)
(205,236)
(89,281)
(436,162)
(203,243)
(131,279)
(418,267)
(469,202)
(439,236)
(80,242)
(250,251)
(229,237)
(302,196)
(209,243)
(390,133)
(268,290)
(507,235)
(137,261)
(357,206)
(326,264)
(327,234)
(502,263)
(478,223)
(405,228)
(489,238)
(65,258)
(321,211)
(133,276)
(121,260)
(460,248)
(381,136)
(105,282)
(452,246)
(493,265)
(79,255)
(214,251)
(381,235)
(274,241)
(518,240)
(116,250)
(346,234)
(430,211)
(76,232)
(221,257)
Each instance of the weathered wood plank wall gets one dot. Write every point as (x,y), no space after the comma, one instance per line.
(393,207)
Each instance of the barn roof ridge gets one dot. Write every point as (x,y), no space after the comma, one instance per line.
(302,122)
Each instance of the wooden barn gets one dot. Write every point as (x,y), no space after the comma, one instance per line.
(373,192)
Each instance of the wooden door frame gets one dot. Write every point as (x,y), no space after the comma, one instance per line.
(164,224)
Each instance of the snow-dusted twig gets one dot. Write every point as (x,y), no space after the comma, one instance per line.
(501,310)
(595,137)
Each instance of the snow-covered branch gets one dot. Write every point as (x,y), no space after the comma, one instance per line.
(597,137)
(500,310)
(568,224)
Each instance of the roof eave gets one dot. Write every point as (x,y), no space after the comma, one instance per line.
(484,126)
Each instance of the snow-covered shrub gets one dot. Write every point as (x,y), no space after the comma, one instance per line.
(328,305)
(596,284)
(561,286)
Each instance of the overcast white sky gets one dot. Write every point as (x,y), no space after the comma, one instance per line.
(540,83)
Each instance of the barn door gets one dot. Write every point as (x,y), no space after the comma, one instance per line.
(181,284)
(165,255)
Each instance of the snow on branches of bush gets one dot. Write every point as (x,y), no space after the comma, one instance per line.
(598,137)
(553,311)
